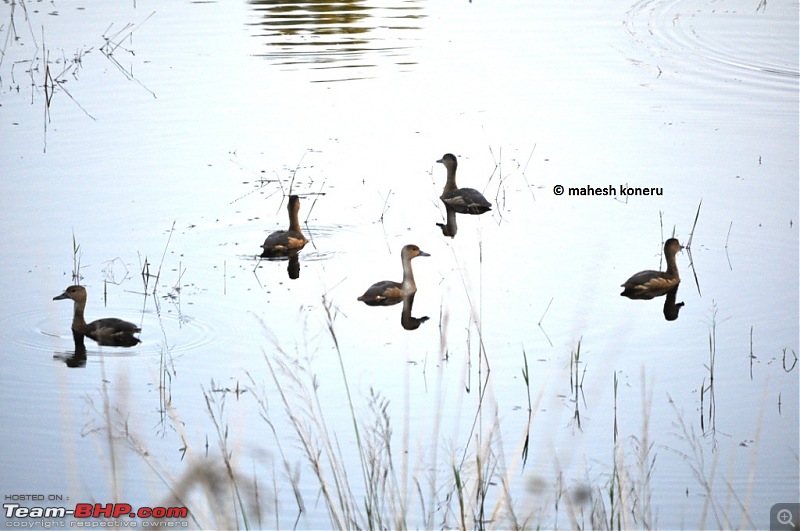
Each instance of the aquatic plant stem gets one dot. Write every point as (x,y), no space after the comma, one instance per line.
(329,322)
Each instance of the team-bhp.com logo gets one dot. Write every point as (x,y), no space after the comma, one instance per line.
(93,510)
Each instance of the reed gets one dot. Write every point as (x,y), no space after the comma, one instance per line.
(527,380)
(693,453)
(145,267)
(215,405)
(708,390)
(76,260)
(688,247)
(474,491)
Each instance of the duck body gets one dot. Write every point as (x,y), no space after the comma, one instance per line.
(108,332)
(388,292)
(649,284)
(280,242)
(461,200)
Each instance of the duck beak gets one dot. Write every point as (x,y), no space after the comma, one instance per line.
(60,297)
(440,161)
(423,253)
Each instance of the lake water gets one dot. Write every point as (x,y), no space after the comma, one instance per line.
(150,148)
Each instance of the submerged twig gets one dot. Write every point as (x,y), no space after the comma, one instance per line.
(688,248)
(539,324)
(114,42)
(525,177)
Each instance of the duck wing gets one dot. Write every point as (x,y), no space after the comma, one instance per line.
(648,285)
(466,201)
(281,241)
(113,332)
(383,293)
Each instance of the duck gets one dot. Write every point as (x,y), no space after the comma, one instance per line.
(650,284)
(281,242)
(388,292)
(461,200)
(108,332)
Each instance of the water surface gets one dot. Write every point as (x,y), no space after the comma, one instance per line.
(170,152)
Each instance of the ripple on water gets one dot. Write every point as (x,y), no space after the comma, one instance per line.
(719,43)
(316,249)
(168,329)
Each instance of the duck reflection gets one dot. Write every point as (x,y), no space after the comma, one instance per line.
(406,320)
(293,257)
(671,309)
(76,358)
(451,227)
(108,332)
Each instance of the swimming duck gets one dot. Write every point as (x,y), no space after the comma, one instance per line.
(461,200)
(649,284)
(109,332)
(387,292)
(281,241)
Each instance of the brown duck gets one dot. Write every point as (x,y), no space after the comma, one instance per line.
(650,284)
(109,331)
(388,292)
(281,242)
(461,200)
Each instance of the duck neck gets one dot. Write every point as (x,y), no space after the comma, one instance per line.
(672,266)
(78,321)
(450,185)
(294,222)
(409,286)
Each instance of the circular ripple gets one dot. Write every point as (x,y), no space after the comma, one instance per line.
(728,43)
(166,328)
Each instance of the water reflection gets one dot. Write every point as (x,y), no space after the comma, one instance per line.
(293,256)
(407,321)
(451,227)
(76,358)
(330,34)
(671,309)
